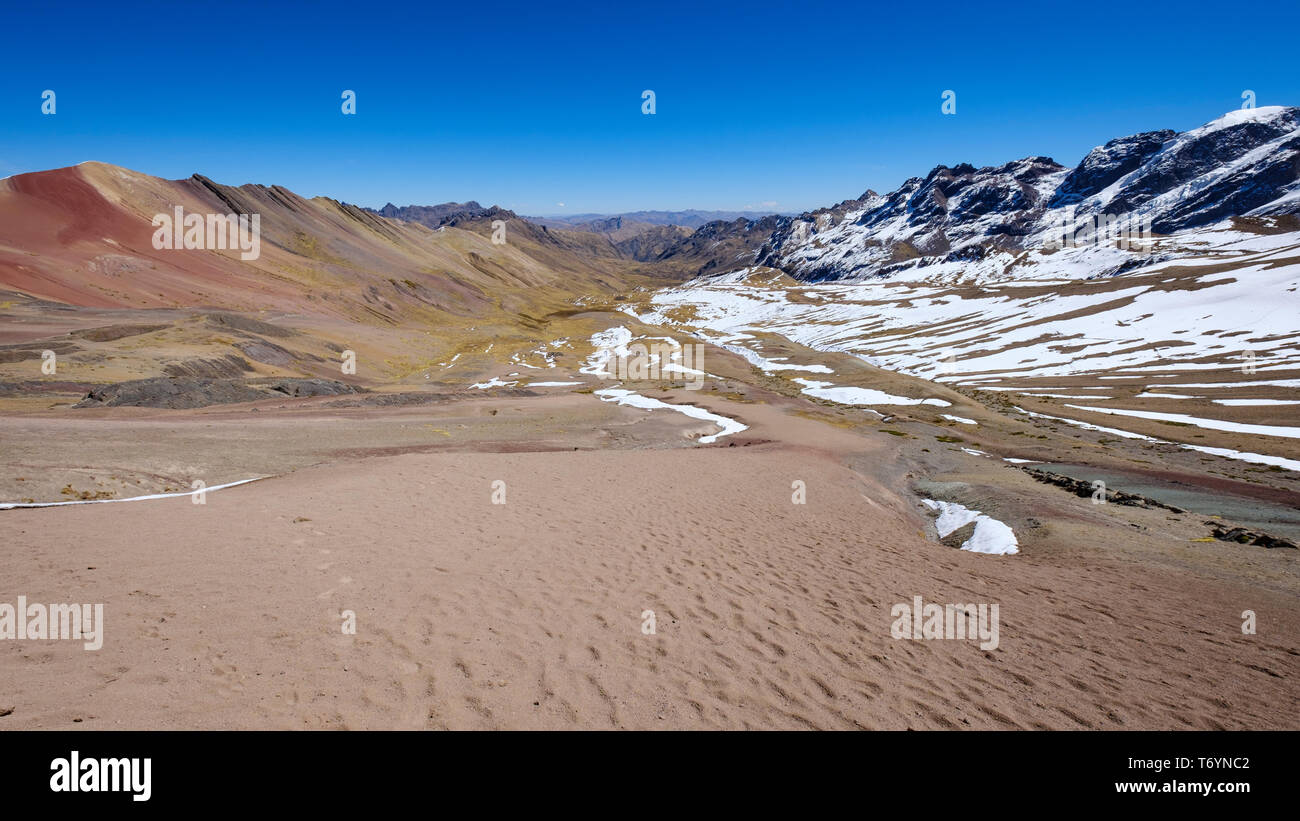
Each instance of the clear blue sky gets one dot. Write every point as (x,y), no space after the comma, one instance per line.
(774,106)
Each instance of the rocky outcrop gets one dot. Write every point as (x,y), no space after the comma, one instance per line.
(448,213)
(1227,533)
(112,333)
(1220,530)
(188,392)
(268,353)
(238,322)
(1080,487)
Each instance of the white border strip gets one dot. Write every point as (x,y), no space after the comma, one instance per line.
(12,505)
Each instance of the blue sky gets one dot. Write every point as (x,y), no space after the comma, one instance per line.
(774,106)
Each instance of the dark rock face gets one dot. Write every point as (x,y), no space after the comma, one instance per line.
(476,214)
(308,387)
(171,392)
(1240,192)
(427,214)
(265,352)
(1214,166)
(190,392)
(725,246)
(221,367)
(1105,165)
(951,200)
(448,213)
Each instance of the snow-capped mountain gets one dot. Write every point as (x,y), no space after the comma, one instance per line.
(953,213)
(983,220)
(1242,164)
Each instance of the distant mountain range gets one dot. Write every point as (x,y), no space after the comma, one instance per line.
(689,218)
(637,235)
(83,242)
(435,216)
(1243,164)
(69,234)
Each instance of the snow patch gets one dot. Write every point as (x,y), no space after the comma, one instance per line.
(861,396)
(636,400)
(990,535)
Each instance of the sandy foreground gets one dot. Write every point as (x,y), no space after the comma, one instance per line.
(530,614)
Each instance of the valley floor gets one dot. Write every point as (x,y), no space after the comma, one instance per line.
(532,613)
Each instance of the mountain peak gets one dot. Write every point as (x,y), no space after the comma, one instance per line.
(1266,113)
(1244,163)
